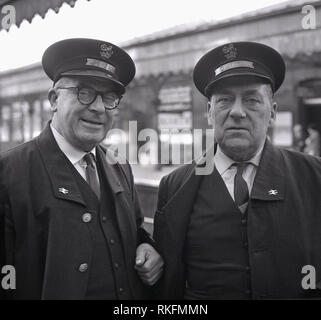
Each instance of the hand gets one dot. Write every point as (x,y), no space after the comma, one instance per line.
(149,264)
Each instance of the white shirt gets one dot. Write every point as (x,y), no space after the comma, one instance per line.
(74,155)
(224,166)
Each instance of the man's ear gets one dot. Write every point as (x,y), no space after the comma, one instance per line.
(209,113)
(273,113)
(52,97)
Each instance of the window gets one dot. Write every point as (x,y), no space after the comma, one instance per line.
(282,131)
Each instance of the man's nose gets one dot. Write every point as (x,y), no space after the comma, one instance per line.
(97,104)
(237,110)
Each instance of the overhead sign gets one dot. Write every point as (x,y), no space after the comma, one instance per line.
(174,110)
(182,120)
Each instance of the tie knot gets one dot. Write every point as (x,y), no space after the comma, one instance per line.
(89,158)
(240,166)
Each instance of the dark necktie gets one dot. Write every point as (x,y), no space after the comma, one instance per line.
(91,173)
(241,191)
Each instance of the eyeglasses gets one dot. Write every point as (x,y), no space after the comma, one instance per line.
(87,96)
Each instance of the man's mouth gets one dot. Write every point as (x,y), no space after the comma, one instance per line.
(236,128)
(92,121)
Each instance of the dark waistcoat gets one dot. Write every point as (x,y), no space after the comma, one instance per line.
(216,250)
(107,271)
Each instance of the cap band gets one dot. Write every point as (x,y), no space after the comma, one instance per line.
(100,64)
(234,65)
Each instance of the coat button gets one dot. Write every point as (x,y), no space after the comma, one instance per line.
(116,265)
(112,241)
(83,267)
(121,290)
(104,218)
(86,217)
(243,221)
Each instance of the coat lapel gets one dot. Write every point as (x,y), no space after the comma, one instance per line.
(183,200)
(109,170)
(58,166)
(124,207)
(178,209)
(269,183)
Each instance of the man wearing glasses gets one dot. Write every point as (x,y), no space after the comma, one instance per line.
(72,220)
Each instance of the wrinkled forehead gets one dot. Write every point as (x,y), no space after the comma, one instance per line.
(244,83)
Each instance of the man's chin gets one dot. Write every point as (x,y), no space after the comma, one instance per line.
(236,149)
(89,143)
(237,144)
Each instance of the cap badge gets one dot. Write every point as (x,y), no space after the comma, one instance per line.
(106,51)
(229,51)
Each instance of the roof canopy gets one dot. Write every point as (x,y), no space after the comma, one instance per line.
(27,9)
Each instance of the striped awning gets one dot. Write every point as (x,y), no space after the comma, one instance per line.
(27,9)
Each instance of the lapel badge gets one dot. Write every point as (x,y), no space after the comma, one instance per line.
(106,50)
(63,190)
(273,192)
(229,51)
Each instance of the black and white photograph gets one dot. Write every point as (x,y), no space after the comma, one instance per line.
(165,152)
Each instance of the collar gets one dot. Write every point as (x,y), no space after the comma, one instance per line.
(73,154)
(223,162)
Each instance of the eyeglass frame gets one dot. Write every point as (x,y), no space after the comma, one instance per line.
(97,92)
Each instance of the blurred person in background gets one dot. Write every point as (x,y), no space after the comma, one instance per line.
(298,138)
(312,142)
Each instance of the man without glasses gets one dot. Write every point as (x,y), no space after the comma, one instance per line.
(246,230)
